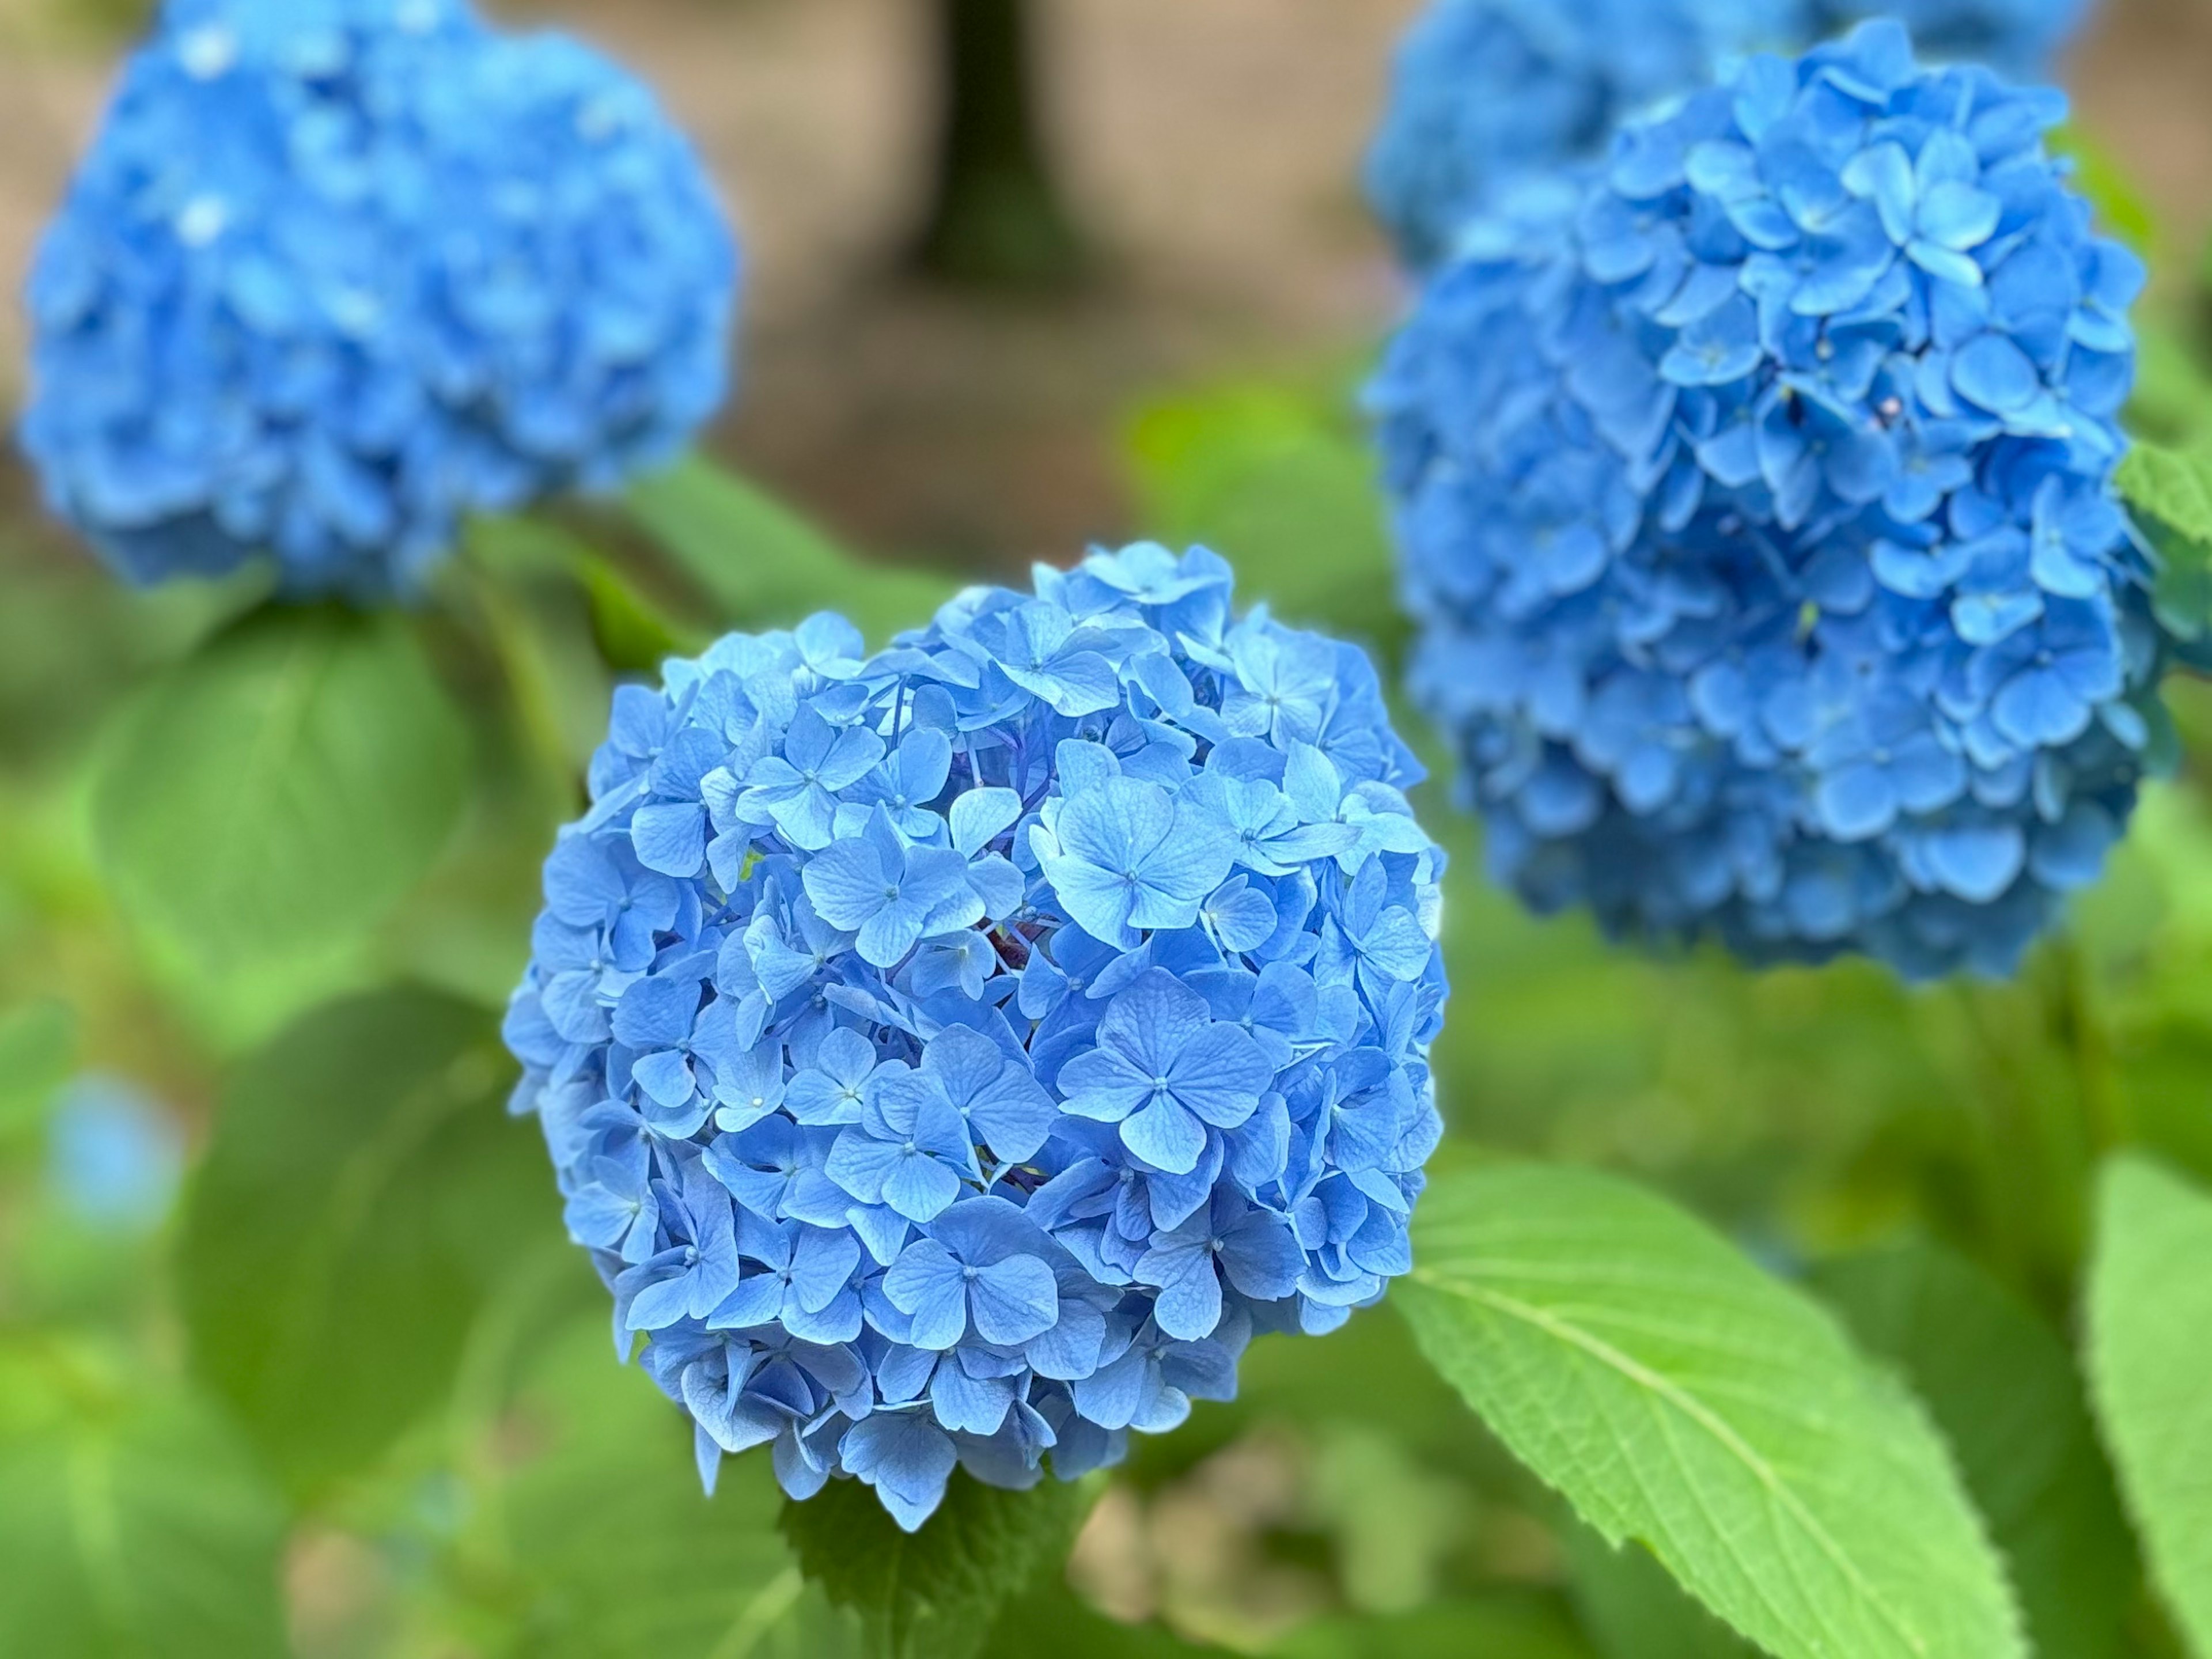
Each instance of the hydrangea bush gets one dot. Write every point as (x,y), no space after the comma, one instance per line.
(953,1055)
(1757,518)
(1489,96)
(336,272)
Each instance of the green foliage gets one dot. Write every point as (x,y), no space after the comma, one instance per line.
(1522,1626)
(1677,1395)
(2149,1353)
(38,1044)
(933,1593)
(2172,485)
(1634,1610)
(2121,208)
(2001,1387)
(363,1194)
(763,566)
(1281,482)
(133,1522)
(600,1545)
(278,792)
(1049,1617)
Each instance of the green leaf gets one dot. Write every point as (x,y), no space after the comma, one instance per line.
(2170,491)
(363,1191)
(1677,1395)
(276,794)
(602,1546)
(933,1593)
(1055,1619)
(2001,1387)
(2172,485)
(2123,211)
(1524,1627)
(2149,1354)
(1633,1609)
(764,566)
(38,1046)
(1281,482)
(133,1522)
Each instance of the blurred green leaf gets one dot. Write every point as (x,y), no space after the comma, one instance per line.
(1633,1609)
(2172,400)
(764,566)
(600,1545)
(2001,1387)
(1509,1626)
(362,1193)
(2170,491)
(1053,1619)
(1678,1396)
(2150,1355)
(133,1522)
(1280,482)
(2174,485)
(933,1593)
(38,1048)
(2122,210)
(281,791)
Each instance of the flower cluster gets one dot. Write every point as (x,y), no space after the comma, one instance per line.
(955,1055)
(1487,93)
(1758,519)
(1491,95)
(337,272)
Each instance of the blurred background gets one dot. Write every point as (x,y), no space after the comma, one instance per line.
(1162,335)
(1206,154)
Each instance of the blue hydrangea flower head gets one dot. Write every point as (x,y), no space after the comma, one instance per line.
(1486,93)
(1493,96)
(1757,518)
(337,272)
(953,1055)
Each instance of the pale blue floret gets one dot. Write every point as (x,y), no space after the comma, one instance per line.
(337,273)
(1757,513)
(952,1057)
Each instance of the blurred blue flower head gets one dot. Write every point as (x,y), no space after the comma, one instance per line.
(1757,518)
(335,273)
(953,1055)
(115,1157)
(1492,97)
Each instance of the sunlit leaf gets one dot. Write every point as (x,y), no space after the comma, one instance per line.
(1678,1396)
(275,794)
(363,1191)
(2150,1355)
(133,1522)
(2001,1387)
(2174,485)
